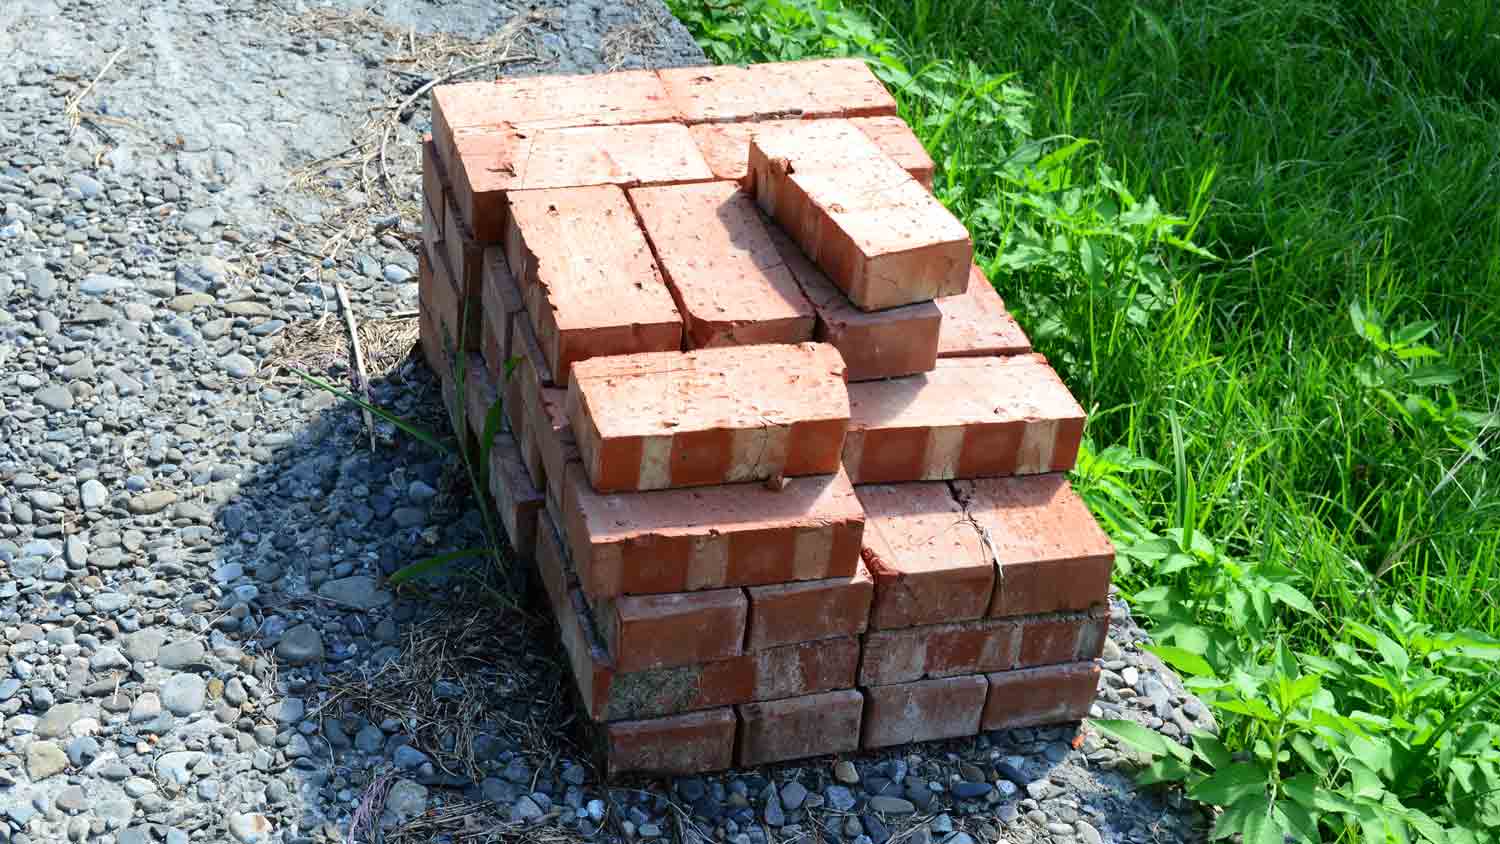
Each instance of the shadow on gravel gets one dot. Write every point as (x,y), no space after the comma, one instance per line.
(367,694)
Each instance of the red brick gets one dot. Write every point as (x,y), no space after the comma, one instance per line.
(554,437)
(779,148)
(541,102)
(726,146)
(480,394)
(501,300)
(725,273)
(806,89)
(433,247)
(434,181)
(742,413)
(588,278)
(874,344)
(465,256)
(460,324)
(1053,556)
(593,674)
(677,744)
(683,540)
(775,673)
(939,650)
(928,561)
(431,333)
(976,323)
(517,499)
(488,164)
(978,647)
(661,631)
(896,140)
(1032,697)
(880,236)
(793,728)
(923,711)
(782,613)
(528,390)
(968,417)
(629,156)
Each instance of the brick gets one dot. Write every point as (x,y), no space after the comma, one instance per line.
(480,394)
(874,344)
(661,631)
(588,278)
(967,418)
(682,540)
(939,650)
(465,256)
(433,247)
(501,300)
(1053,556)
(542,102)
(928,561)
(558,448)
(976,323)
(783,613)
(434,181)
(529,384)
(691,743)
(882,238)
(431,335)
(1033,697)
(489,164)
(805,89)
(978,647)
(812,725)
(896,140)
(772,674)
(926,710)
(726,146)
(878,233)
(593,674)
(726,275)
(461,325)
(517,499)
(776,149)
(742,413)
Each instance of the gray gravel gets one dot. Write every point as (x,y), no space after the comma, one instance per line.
(198,642)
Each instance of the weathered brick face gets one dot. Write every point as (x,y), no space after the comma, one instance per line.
(789,473)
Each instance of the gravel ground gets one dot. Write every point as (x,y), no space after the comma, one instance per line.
(198,643)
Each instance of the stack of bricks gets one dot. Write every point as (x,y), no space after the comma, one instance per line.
(790,474)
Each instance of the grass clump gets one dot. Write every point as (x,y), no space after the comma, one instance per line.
(1261,241)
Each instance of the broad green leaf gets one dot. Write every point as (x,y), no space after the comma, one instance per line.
(1141,738)
(1211,750)
(1261,824)
(1230,785)
(1288,595)
(1164,769)
(1182,660)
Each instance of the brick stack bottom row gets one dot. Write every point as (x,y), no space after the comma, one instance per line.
(836,524)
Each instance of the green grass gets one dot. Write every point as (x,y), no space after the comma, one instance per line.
(1273,268)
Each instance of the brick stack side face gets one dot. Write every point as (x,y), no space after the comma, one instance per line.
(786,468)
